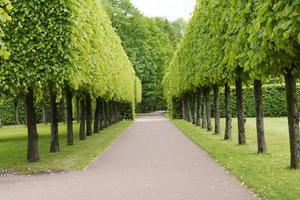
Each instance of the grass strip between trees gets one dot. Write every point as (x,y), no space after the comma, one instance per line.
(267,175)
(13,144)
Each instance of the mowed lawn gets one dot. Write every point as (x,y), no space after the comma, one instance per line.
(267,175)
(13,147)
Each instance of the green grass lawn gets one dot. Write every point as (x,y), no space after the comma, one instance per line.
(267,175)
(13,145)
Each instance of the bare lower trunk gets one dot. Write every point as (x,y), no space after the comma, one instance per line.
(183,108)
(199,107)
(208,107)
(69,96)
(78,110)
(190,117)
(104,113)
(89,114)
(261,143)
(32,146)
(204,109)
(293,118)
(240,111)
(217,109)
(228,125)
(54,148)
(96,117)
(82,134)
(45,115)
(195,110)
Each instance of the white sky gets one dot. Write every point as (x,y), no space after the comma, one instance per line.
(171,9)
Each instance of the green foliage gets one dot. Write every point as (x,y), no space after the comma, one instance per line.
(138,90)
(149,43)
(66,42)
(260,37)
(5,8)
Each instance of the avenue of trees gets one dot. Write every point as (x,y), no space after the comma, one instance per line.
(234,43)
(149,44)
(66,49)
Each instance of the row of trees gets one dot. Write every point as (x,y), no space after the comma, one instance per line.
(237,42)
(149,44)
(67,48)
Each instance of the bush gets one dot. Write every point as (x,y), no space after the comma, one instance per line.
(274,101)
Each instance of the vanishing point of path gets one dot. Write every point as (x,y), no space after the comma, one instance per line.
(153,160)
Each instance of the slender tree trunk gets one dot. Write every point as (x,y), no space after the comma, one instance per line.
(190,116)
(104,110)
(199,107)
(69,96)
(89,114)
(82,134)
(261,143)
(293,118)
(195,110)
(45,115)
(204,109)
(240,111)
(228,125)
(62,106)
(208,107)
(32,146)
(107,114)
(16,111)
(96,117)
(217,109)
(183,108)
(54,148)
(100,114)
(77,110)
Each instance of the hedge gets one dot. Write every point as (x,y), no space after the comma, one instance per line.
(274,100)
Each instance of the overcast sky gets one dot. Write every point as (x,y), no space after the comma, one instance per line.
(171,9)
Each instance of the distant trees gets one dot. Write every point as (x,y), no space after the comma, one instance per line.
(65,49)
(236,42)
(149,44)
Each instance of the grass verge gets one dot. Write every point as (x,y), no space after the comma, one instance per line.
(267,175)
(13,145)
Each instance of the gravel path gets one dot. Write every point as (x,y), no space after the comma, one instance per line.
(153,160)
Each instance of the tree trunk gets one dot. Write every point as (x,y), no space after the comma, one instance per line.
(89,114)
(195,118)
(54,148)
(228,125)
(16,111)
(199,95)
(45,115)
(62,106)
(190,117)
(261,143)
(96,117)
(240,111)
(293,118)
(182,108)
(208,107)
(204,109)
(104,113)
(82,134)
(77,110)
(32,146)
(100,114)
(217,109)
(69,96)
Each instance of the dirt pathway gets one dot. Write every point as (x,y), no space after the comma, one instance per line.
(153,160)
